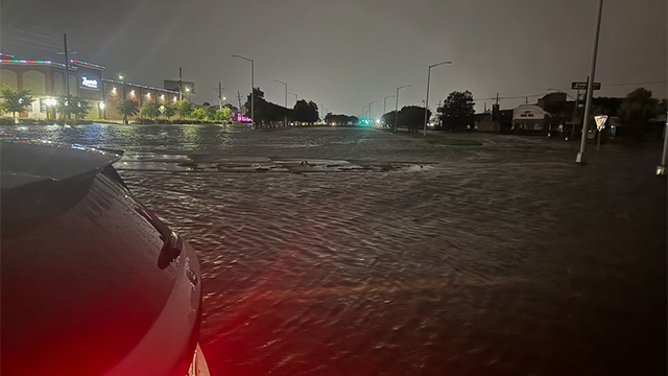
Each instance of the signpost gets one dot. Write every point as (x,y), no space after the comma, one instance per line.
(600,124)
(582,85)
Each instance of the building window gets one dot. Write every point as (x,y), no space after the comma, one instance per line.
(30,107)
(42,105)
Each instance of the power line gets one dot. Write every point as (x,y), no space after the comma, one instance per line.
(636,83)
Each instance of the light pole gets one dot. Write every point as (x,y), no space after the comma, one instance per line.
(590,87)
(426,104)
(385,104)
(252,86)
(396,107)
(370,113)
(285,120)
(363,111)
(296,96)
(125,117)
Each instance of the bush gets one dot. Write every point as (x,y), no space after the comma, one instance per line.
(6,121)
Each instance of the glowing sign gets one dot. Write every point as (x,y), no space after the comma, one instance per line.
(89,83)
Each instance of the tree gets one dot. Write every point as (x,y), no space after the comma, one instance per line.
(168,110)
(150,110)
(81,107)
(14,100)
(388,119)
(413,117)
(224,114)
(306,112)
(210,113)
(637,108)
(74,105)
(198,114)
(458,110)
(127,108)
(184,108)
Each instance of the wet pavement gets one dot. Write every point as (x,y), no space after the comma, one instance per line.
(332,251)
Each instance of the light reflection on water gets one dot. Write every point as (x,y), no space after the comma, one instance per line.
(501,259)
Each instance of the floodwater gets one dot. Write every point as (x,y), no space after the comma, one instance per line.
(332,251)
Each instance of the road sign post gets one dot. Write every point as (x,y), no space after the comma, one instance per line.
(600,125)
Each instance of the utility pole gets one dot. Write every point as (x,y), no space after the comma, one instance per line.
(498,113)
(527,101)
(590,87)
(239,96)
(220,95)
(180,84)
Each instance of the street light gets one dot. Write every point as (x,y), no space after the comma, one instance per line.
(296,96)
(426,104)
(363,111)
(122,78)
(385,104)
(252,85)
(370,113)
(396,107)
(285,120)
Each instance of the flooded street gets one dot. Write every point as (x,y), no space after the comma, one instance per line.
(339,251)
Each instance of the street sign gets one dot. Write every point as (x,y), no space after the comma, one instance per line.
(583,85)
(600,121)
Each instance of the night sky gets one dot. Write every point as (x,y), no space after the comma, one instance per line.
(347,53)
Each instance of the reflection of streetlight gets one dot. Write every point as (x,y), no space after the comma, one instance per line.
(252,85)
(396,107)
(426,103)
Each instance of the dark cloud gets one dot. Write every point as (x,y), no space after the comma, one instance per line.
(346,53)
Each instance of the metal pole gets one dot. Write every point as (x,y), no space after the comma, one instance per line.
(67,75)
(598,143)
(577,106)
(253,92)
(590,87)
(661,169)
(180,84)
(370,113)
(220,95)
(426,104)
(396,111)
(385,103)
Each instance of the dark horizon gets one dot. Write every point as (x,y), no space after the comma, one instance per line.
(337,54)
